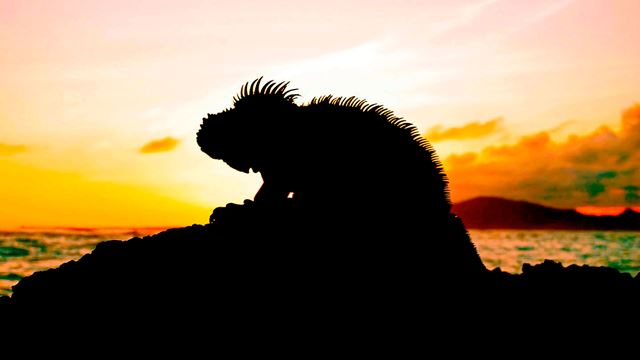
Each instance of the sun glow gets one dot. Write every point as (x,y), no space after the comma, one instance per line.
(602,210)
(100,101)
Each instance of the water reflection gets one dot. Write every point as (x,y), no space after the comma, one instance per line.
(509,249)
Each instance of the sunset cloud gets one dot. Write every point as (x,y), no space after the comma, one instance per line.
(470,130)
(601,168)
(161,145)
(8,149)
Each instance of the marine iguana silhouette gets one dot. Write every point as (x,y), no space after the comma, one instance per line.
(339,158)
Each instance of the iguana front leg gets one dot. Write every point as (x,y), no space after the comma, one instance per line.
(273,192)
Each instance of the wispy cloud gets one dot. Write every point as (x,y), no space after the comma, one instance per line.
(542,14)
(470,130)
(465,15)
(400,73)
(8,149)
(161,145)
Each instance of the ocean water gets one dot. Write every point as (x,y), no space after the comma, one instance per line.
(510,249)
(23,253)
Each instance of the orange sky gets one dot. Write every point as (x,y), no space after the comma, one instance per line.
(100,100)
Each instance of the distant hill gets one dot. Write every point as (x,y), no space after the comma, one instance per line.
(500,213)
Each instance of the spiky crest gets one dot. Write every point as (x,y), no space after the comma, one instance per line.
(271,88)
(391,118)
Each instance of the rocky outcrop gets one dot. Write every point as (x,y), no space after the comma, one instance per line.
(244,258)
(250,271)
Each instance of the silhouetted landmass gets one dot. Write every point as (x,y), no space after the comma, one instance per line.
(500,213)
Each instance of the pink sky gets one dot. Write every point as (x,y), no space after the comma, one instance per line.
(86,84)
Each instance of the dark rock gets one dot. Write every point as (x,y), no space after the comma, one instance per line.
(250,274)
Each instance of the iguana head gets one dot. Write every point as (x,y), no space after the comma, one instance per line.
(251,133)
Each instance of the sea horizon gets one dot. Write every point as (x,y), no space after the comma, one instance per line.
(145,230)
(27,250)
